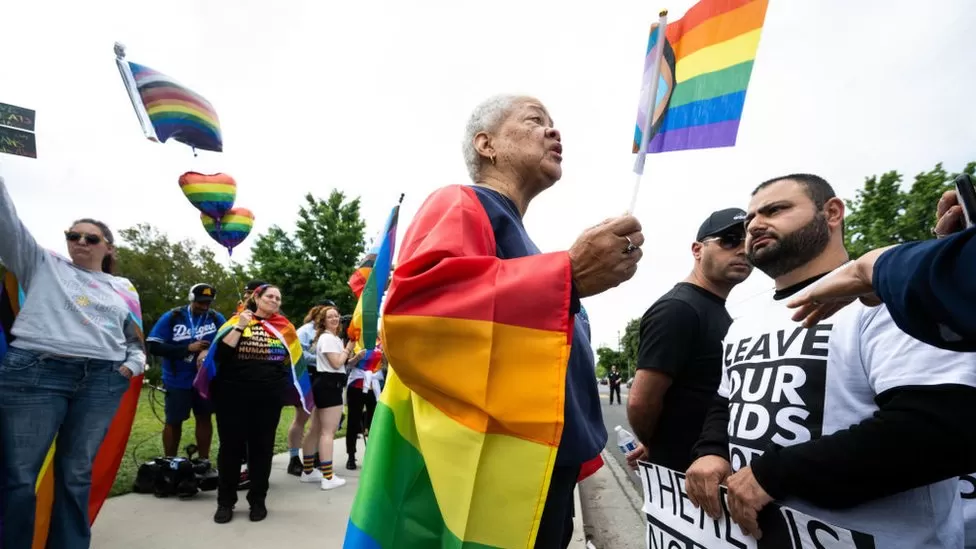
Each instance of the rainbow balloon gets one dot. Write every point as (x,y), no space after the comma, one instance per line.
(232,229)
(212,194)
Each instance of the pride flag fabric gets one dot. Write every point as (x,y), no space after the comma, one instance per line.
(460,451)
(704,73)
(376,266)
(112,450)
(284,331)
(168,109)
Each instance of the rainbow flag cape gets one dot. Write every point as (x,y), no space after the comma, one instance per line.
(285,333)
(167,109)
(474,343)
(365,319)
(704,72)
(112,450)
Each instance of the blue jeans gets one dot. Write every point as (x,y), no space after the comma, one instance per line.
(42,396)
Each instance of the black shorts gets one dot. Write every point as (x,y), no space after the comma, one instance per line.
(327,389)
(179,402)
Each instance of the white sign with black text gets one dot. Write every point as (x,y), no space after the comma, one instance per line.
(673,522)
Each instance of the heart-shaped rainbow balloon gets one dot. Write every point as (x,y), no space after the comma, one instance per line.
(233,228)
(211,194)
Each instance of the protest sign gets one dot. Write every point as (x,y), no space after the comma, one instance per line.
(17,131)
(673,522)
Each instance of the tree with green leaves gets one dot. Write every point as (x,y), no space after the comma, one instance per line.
(630,342)
(883,213)
(315,263)
(163,272)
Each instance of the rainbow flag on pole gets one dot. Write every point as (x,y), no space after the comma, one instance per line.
(460,451)
(376,267)
(167,109)
(703,75)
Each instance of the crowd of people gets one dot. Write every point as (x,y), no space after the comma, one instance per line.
(856,414)
(76,343)
(863,420)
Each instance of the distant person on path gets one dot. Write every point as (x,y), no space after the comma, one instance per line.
(483,332)
(181,337)
(250,368)
(77,342)
(614,379)
(679,356)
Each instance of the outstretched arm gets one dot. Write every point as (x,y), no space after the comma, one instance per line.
(19,252)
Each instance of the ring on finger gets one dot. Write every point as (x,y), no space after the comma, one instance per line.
(630,245)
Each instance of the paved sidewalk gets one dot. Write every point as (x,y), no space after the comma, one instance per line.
(298,515)
(612,508)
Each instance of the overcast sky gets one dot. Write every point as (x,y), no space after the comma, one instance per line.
(371,98)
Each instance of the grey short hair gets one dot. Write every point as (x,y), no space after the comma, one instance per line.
(485,117)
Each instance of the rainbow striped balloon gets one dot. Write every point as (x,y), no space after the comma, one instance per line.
(212,194)
(232,229)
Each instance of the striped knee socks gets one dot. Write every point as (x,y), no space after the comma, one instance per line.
(326,468)
(308,464)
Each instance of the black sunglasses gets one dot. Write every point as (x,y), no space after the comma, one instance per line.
(75,236)
(728,241)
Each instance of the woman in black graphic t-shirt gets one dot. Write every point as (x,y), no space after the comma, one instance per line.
(248,392)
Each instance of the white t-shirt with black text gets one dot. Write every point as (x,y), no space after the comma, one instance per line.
(787,385)
(328,343)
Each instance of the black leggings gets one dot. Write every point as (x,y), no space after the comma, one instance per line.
(615,389)
(556,526)
(247,421)
(357,422)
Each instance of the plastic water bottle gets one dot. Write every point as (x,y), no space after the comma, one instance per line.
(625,441)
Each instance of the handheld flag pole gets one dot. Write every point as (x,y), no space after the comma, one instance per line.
(650,101)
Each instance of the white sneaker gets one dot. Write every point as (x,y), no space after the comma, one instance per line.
(314,476)
(334,482)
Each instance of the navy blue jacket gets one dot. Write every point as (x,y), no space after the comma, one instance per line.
(584,434)
(930,289)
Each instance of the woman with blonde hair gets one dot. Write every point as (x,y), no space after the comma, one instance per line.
(330,380)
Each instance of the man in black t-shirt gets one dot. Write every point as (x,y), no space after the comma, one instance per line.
(614,379)
(679,358)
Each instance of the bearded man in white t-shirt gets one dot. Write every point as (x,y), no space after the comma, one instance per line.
(851,421)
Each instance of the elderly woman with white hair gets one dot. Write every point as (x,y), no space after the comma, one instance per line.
(491,406)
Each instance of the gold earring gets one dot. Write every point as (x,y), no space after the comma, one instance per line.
(492,158)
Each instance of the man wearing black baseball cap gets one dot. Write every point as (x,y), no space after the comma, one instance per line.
(679,358)
(181,338)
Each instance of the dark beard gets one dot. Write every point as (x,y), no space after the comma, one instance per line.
(793,250)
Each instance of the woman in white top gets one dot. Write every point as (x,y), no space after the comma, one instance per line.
(330,364)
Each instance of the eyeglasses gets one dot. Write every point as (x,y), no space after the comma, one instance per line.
(75,236)
(728,241)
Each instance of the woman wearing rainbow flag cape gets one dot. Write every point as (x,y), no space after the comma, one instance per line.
(254,370)
(74,346)
(491,409)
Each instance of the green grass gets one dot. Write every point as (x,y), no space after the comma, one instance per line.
(146,440)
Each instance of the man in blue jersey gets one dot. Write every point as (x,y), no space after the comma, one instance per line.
(181,338)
